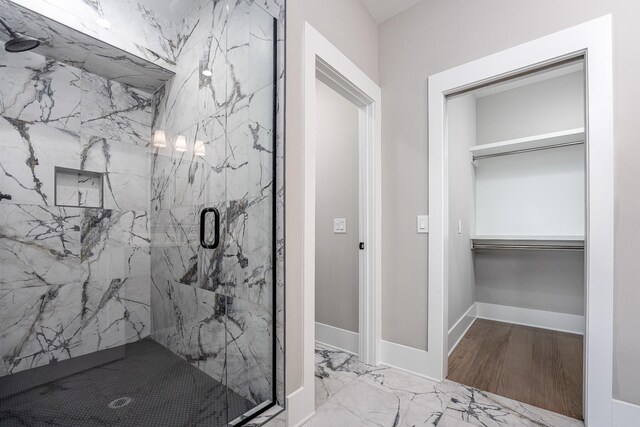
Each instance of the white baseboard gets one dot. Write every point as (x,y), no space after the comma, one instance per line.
(407,359)
(529,317)
(301,406)
(462,326)
(625,414)
(340,339)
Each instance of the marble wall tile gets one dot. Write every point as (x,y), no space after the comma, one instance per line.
(114,111)
(250,148)
(74,280)
(176,103)
(28,155)
(66,289)
(39,90)
(39,325)
(190,322)
(114,244)
(249,349)
(134,27)
(39,246)
(115,312)
(136,63)
(124,168)
(192,177)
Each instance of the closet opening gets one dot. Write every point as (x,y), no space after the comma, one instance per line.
(516,248)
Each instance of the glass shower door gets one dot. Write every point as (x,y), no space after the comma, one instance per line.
(249,258)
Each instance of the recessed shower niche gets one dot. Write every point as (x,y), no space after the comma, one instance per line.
(106,289)
(79,189)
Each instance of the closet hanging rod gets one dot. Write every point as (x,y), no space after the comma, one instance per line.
(528,150)
(477,246)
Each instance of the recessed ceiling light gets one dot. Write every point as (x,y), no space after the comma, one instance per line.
(103,23)
(207,73)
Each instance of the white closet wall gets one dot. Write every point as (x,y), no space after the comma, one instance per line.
(539,108)
(461,112)
(539,193)
(518,199)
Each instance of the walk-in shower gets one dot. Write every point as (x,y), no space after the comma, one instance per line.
(141,200)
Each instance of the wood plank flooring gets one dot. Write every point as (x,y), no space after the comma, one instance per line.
(535,366)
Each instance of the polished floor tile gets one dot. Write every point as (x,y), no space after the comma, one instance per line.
(351,393)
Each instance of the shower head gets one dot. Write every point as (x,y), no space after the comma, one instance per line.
(21,43)
(18,42)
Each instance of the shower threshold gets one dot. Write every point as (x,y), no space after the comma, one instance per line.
(139,384)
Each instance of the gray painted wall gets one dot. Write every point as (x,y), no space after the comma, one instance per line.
(549,281)
(434,36)
(337,255)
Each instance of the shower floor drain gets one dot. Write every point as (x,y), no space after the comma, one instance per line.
(120,402)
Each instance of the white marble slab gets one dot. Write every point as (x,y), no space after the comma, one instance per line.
(139,67)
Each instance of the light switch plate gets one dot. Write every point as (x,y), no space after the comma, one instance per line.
(423,224)
(340,225)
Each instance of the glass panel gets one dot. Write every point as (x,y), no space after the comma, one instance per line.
(249,242)
(114,279)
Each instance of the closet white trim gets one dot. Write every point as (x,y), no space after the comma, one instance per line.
(561,322)
(462,326)
(593,40)
(625,414)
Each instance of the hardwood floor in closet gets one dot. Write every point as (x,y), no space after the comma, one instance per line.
(535,366)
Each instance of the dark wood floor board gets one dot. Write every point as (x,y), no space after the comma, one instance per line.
(517,369)
(535,366)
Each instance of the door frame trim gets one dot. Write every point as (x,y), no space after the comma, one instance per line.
(592,39)
(324,59)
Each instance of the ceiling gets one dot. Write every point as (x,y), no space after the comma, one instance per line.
(381,10)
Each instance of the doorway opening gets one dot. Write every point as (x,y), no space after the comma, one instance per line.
(323,60)
(577,227)
(338,219)
(516,291)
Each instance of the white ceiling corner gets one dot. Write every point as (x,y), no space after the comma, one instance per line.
(381,10)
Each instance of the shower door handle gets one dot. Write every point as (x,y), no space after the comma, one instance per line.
(216,231)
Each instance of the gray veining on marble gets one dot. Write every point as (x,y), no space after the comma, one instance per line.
(349,392)
(104,277)
(234,120)
(74,280)
(83,51)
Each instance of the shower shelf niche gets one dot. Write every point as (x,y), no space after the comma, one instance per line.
(78,188)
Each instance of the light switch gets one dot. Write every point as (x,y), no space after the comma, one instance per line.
(340,225)
(423,224)
(459,226)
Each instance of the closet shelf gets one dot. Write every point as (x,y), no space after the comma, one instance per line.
(531,143)
(542,243)
(518,238)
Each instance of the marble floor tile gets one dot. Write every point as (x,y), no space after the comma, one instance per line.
(351,393)
(447,421)
(485,409)
(410,387)
(373,405)
(327,387)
